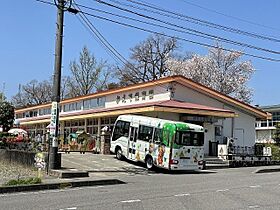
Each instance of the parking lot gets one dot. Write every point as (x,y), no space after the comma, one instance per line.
(101,165)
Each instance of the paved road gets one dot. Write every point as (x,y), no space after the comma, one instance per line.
(225,189)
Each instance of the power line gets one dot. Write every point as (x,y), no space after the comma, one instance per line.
(179,38)
(207,36)
(105,43)
(230,16)
(190,29)
(202,22)
(141,21)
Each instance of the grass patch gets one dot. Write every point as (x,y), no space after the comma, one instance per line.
(26,181)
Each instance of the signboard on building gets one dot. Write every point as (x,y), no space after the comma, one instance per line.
(195,118)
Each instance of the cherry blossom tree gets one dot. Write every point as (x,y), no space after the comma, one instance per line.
(223,71)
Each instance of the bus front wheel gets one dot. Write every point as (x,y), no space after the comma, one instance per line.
(119,155)
(149,163)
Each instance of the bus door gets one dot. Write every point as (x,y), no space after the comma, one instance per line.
(132,142)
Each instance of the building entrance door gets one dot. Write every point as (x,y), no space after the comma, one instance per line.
(213,148)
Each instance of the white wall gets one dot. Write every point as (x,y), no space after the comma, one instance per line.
(209,135)
(183,93)
(243,126)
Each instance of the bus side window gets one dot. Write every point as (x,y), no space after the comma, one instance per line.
(121,129)
(145,133)
(126,128)
(117,131)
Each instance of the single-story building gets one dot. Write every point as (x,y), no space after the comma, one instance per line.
(173,98)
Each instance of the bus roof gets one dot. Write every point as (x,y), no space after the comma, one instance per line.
(151,121)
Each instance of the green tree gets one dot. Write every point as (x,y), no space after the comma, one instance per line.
(276,135)
(7,113)
(2,97)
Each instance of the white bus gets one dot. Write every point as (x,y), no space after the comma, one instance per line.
(157,142)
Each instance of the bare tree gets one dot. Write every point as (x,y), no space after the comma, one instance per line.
(33,93)
(148,60)
(220,70)
(88,75)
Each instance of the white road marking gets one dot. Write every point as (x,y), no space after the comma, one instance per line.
(224,190)
(130,201)
(181,195)
(254,207)
(71,208)
(255,186)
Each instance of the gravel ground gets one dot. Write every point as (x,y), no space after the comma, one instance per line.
(10,171)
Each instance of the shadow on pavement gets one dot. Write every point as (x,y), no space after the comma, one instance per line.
(138,168)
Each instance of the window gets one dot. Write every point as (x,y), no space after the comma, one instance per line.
(144,93)
(89,122)
(121,129)
(145,133)
(18,116)
(86,104)
(79,105)
(123,98)
(137,96)
(76,106)
(26,114)
(263,124)
(151,94)
(130,96)
(101,102)
(118,99)
(218,131)
(189,138)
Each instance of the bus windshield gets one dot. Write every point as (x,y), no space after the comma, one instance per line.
(189,138)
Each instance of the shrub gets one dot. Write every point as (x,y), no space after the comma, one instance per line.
(275,150)
(27,181)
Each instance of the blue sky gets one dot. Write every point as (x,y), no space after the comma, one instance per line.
(28,38)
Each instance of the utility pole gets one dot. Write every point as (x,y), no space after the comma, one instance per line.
(54,158)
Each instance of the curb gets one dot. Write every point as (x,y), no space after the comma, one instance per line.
(216,166)
(267,170)
(61,185)
(68,174)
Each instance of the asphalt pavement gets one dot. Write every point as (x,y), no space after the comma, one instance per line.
(235,188)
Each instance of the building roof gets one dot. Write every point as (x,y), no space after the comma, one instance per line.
(159,106)
(257,112)
(271,108)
